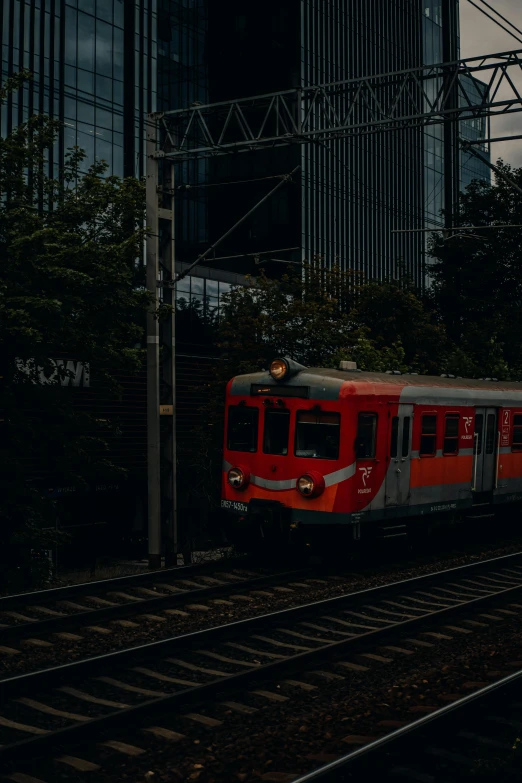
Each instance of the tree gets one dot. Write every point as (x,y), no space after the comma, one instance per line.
(477,275)
(395,314)
(70,289)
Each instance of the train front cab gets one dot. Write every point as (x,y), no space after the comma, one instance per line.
(380,460)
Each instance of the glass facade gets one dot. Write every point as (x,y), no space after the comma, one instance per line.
(357,191)
(182,80)
(94,68)
(469,166)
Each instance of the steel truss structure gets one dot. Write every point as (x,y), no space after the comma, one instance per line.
(420,96)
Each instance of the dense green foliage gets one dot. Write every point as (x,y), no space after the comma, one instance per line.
(68,288)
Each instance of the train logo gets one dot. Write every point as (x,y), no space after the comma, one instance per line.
(467,421)
(365,474)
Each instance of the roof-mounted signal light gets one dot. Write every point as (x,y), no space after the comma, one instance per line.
(283,368)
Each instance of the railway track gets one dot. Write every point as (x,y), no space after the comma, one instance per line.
(55,611)
(475,737)
(92,700)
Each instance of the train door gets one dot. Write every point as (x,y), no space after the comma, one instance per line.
(485,448)
(399,442)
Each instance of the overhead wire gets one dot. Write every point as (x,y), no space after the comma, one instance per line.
(501,16)
(506,29)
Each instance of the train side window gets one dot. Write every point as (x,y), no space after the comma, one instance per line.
(242,428)
(428,441)
(394,436)
(451,434)
(517,432)
(275,436)
(317,435)
(479,431)
(406,423)
(366,436)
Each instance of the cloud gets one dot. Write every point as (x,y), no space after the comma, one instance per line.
(479,35)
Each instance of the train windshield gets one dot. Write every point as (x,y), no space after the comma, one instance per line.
(277,425)
(317,435)
(242,428)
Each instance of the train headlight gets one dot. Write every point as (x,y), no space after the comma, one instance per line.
(279,369)
(306,486)
(238,478)
(310,485)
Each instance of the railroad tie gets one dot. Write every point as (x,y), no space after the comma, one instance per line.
(205,720)
(176,612)
(124,686)
(48,710)
(165,677)
(192,667)
(80,764)
(80,607)
(358,739)
(271,696)
(9,650)
(168,734)
(92,699)
(170,588)
(36,643)
(336,631)
(125,596)
(147,591)
(304,686)
(244,648)
(218,657)
(277,643)
(367,618)
(46,610)
(22,617)
(123,747)
(241,708)
(96,600)
(12,724)
(328,675)
(20,777)
(69,637)
(125,623)
(375,657)
(356,667)
(304,636)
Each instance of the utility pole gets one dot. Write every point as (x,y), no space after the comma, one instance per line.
(168,367)
(153,398)
(161,365)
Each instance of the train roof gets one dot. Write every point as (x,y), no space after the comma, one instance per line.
(326,383)
(413,380)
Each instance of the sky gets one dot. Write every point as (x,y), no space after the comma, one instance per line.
(479,35)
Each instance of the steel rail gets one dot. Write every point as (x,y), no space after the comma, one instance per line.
(100,726)
(376,758)
(8,602)
(141,606)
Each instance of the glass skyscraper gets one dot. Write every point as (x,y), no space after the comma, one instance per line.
(94,69)
(100,65)
(358,202)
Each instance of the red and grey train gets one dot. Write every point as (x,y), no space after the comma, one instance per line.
(314,451)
